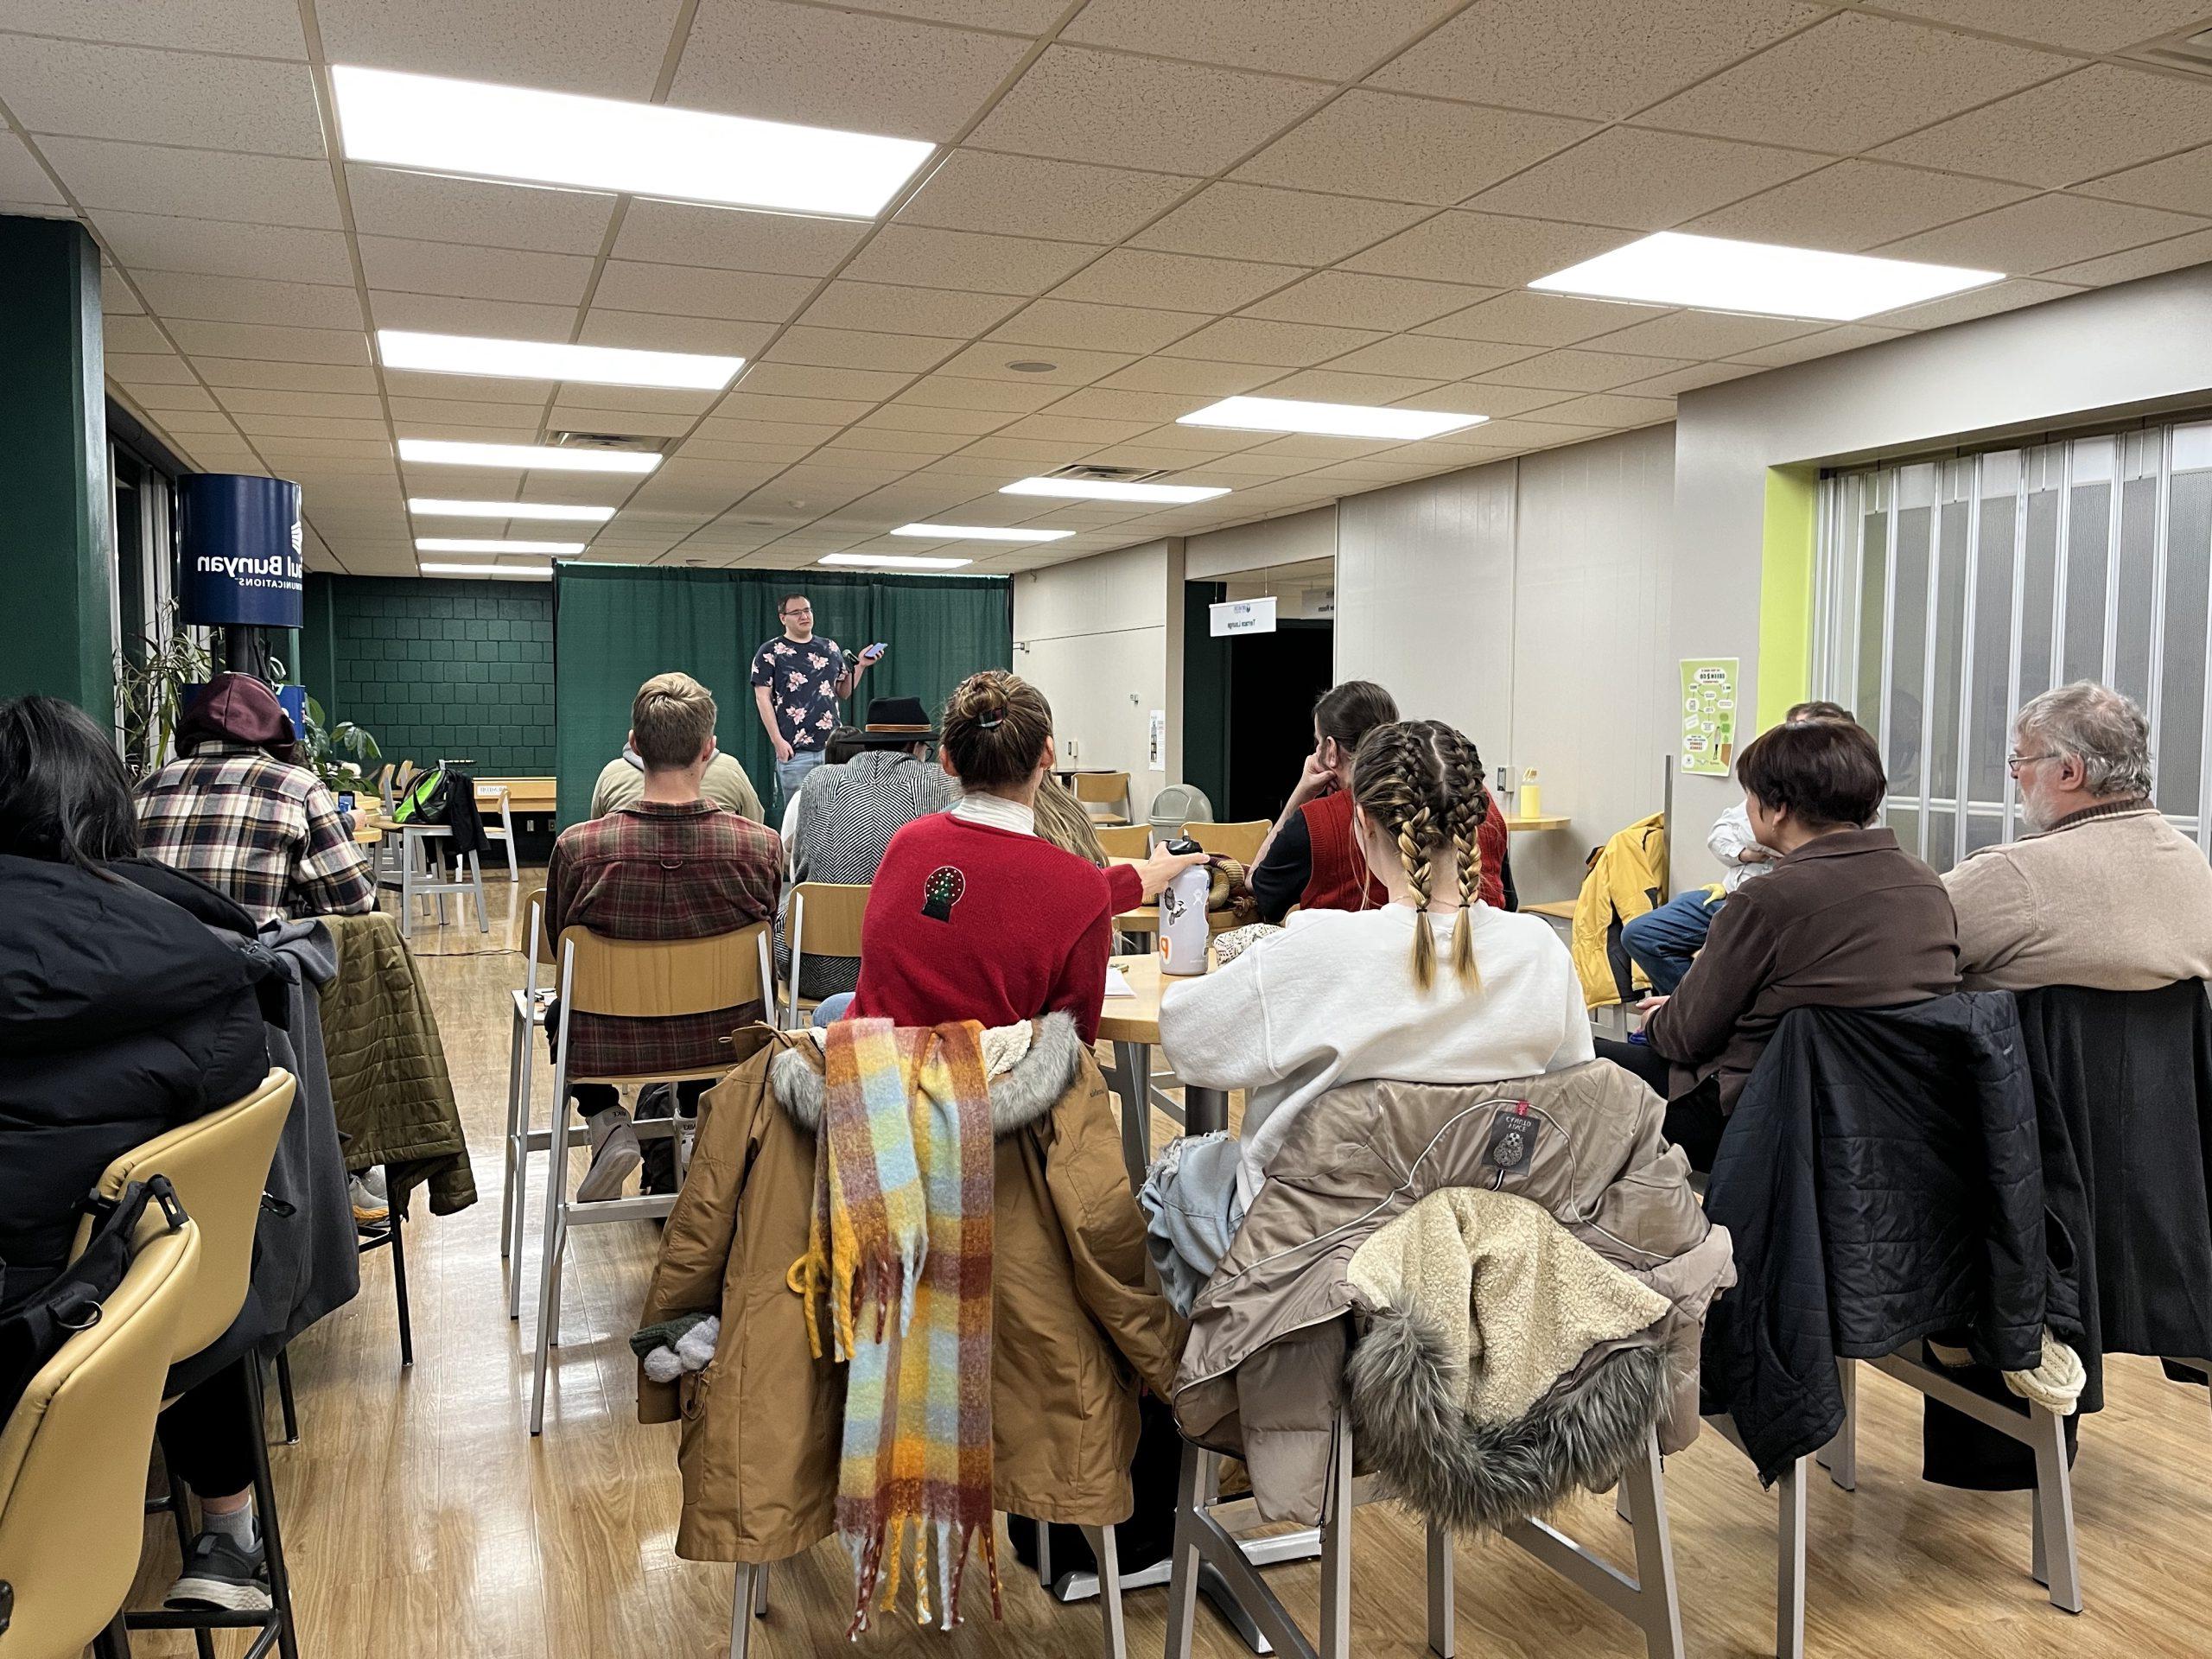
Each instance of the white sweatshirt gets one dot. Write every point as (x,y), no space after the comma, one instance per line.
(1330,1000)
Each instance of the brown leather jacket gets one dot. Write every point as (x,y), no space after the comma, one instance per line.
(1078,1320)
(1263,1375)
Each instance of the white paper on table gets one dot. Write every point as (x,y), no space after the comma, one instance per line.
(1117,983)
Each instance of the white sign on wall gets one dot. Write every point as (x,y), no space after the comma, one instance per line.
(1156,742)
(1244,616)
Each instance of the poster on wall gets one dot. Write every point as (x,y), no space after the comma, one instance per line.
(1709,715)
(1156,742)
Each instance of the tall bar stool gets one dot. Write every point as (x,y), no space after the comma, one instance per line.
(219,1165)
(641,979)
(74,1455)
(529,1010)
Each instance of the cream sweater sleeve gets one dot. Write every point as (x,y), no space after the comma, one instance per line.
(1998,913)
(1214,1029)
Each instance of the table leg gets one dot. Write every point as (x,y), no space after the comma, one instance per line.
(1134,1061)
(1205,1110)
(406,884)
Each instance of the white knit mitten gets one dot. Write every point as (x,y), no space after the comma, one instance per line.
(695,1349)
(662,1365)
(2056,1382)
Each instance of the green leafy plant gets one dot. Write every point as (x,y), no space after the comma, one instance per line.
(151,674)
(338,754)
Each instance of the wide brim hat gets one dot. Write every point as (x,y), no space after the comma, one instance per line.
(894,722)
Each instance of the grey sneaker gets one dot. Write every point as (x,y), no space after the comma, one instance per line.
(218,1574)
(614,1154)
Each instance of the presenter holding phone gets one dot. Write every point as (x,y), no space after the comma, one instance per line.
(798,679)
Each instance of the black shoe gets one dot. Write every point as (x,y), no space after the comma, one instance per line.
(218,1574)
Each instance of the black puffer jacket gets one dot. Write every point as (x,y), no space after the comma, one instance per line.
(121,1015)
(1881,1179)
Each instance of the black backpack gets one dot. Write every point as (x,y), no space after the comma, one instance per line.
(32,1333)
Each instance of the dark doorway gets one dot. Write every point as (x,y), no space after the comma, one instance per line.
(1275,679)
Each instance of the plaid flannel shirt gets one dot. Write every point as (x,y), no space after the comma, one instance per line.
(655,871)
(264,831)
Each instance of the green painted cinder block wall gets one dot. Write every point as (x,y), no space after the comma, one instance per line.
(436,668)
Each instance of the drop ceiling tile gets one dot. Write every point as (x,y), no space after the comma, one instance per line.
(1028,452)
(990,360)
(1026,195)
(2170,255)
(1519,436)
(1285,345)
(469,432)
(1081,105)
(2042,233)
(21,179)
(1523,318)
(480,273)
(1678,381)
(1896,77)
(1495,401)
(405,384)
(1350,299)
(848,348)
(710,449)
(373,453)
(1856,204)
(444,411)
(245,299)
(1112,403)
(429,208)
(131,93)
(1578,371)
(801,380)
(1201,379)
(887,308)
(2093,121)
(1292,228)
(1488,249)
(162,368)
(1703,334)
(1615,410)
(722,429)
(447,314)
(209,247)
(569,45)
(328,346)
(1431,357)
(1381,144)
(1825,342)
(1593,58)
(117,298)
(846,69)
(1643,180)
(1067,429)
(219,369)
(1014,395)
(174,397)
(264,29)
(646,331)
(311,426)
(1339,384)
(967,259)
(1175,281)
(1193,442)
(1099,327)
(1327,39)
(687,290)
(2181,183)
(904,417)
(678,233)
(192,183)
(2085,25)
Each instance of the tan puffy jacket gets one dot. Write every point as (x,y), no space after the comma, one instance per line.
(1078,1320)
(1263,1374)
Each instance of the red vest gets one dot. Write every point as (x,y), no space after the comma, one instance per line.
(1339,870)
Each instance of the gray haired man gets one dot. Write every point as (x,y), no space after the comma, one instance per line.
(2101,891)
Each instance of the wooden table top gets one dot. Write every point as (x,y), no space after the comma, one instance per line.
(523,794)
(1523,826)
(1134,1018)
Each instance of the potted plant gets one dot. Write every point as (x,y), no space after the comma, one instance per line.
(338,754)
(152,678)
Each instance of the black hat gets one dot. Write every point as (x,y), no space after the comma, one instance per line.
(896,722)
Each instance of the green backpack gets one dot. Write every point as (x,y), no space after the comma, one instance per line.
(424,799)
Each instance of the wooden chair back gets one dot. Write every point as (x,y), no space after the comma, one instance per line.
(822,918)
(656,979)
(1102,788)
(1126,840)
(1238,841)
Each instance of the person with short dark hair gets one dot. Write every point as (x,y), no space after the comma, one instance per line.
(1846,918)
(798,680)
(1664,941)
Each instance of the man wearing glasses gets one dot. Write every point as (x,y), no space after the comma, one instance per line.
(797,681)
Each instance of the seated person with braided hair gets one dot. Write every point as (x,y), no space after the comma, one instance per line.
(1434,985)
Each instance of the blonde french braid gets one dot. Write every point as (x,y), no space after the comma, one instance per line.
(1464,789)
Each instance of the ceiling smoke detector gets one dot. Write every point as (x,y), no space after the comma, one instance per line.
(1032,366)
(629,442)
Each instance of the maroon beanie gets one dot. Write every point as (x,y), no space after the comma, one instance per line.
(241,708)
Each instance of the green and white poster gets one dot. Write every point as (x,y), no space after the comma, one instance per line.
(1709,715)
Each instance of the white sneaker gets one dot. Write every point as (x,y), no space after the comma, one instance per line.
(614,1154)
(371,1207)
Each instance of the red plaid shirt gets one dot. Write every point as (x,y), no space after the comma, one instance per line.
(265,832)
(655,871)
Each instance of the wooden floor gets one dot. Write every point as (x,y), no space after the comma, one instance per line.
(422,1520)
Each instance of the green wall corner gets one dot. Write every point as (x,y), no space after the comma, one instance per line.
(1785,670)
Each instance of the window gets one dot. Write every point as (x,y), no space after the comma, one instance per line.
(1950,592)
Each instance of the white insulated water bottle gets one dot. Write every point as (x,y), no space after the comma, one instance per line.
(1184,933)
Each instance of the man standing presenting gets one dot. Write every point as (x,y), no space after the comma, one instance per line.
(797,681)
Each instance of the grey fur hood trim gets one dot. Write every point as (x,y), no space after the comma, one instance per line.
(1409,1426)
(1021,1096)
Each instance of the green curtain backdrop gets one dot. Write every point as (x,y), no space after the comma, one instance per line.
(616,625)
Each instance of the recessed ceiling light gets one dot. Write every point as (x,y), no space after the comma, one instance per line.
(489,131)
(536,359)
(517,572)
(1710,273)
(1331,420)
(980,533)
(1077,489)
(531,457)
(433,507)
(891,561)
(466,544)
(1032,366)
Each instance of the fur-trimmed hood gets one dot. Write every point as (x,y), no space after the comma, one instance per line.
(1020,1095)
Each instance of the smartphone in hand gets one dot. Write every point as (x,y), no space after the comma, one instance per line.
(873,651)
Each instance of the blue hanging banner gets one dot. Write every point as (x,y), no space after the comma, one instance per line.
(240,551)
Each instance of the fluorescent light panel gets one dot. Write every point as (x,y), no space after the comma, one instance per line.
(891,561)
(484,130)
(1331,420)
(469,544)
(517,572)
(980,533)
(1076,489)
(426,506)
(530,457)
(537,359)
(1710,273)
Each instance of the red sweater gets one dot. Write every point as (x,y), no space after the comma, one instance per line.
(1338,867)
(968,922)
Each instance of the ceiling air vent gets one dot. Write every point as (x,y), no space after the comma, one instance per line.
(2191,52)
(630,441)
(1091,472)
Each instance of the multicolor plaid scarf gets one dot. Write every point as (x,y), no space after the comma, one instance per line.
(902,1223)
